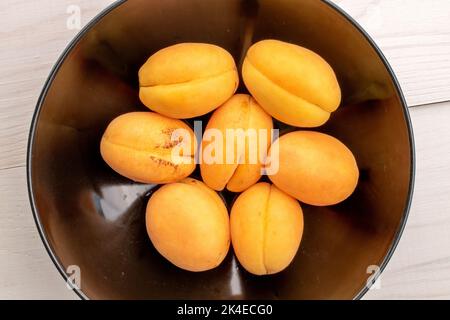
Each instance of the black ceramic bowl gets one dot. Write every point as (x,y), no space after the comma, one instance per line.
(91,217)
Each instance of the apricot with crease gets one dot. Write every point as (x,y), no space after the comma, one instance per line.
(188,80)
(266,229)
(245,135)
(149,148)
(293,84)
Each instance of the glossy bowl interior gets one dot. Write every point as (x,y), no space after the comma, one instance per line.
(91,217)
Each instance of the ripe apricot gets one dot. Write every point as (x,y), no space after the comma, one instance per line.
(145,147)
(244,133)
(293,84)
(314,168)
(188,224)
(266,229)
(187,80)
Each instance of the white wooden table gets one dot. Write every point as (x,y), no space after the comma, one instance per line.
(415,37)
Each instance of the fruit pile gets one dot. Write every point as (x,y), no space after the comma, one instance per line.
(187,220)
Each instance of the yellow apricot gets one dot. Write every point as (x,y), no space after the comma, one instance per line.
(293,84)
(188,224)
(246,128)
(314,168)
(188,80)
(146,147)
(266,229)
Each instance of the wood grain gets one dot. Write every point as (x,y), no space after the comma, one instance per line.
(415,37)
(33,35)
(26,271)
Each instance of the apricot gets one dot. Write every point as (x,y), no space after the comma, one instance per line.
(188,225)
(245,136)
(150,148)
(314,168)
(188,80)
(293,84)
(266,229)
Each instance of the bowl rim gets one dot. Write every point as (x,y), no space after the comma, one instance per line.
(68,49)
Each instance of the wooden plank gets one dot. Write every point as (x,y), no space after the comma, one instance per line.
(26,271)
(30,44)
(414,35)
(420,266)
